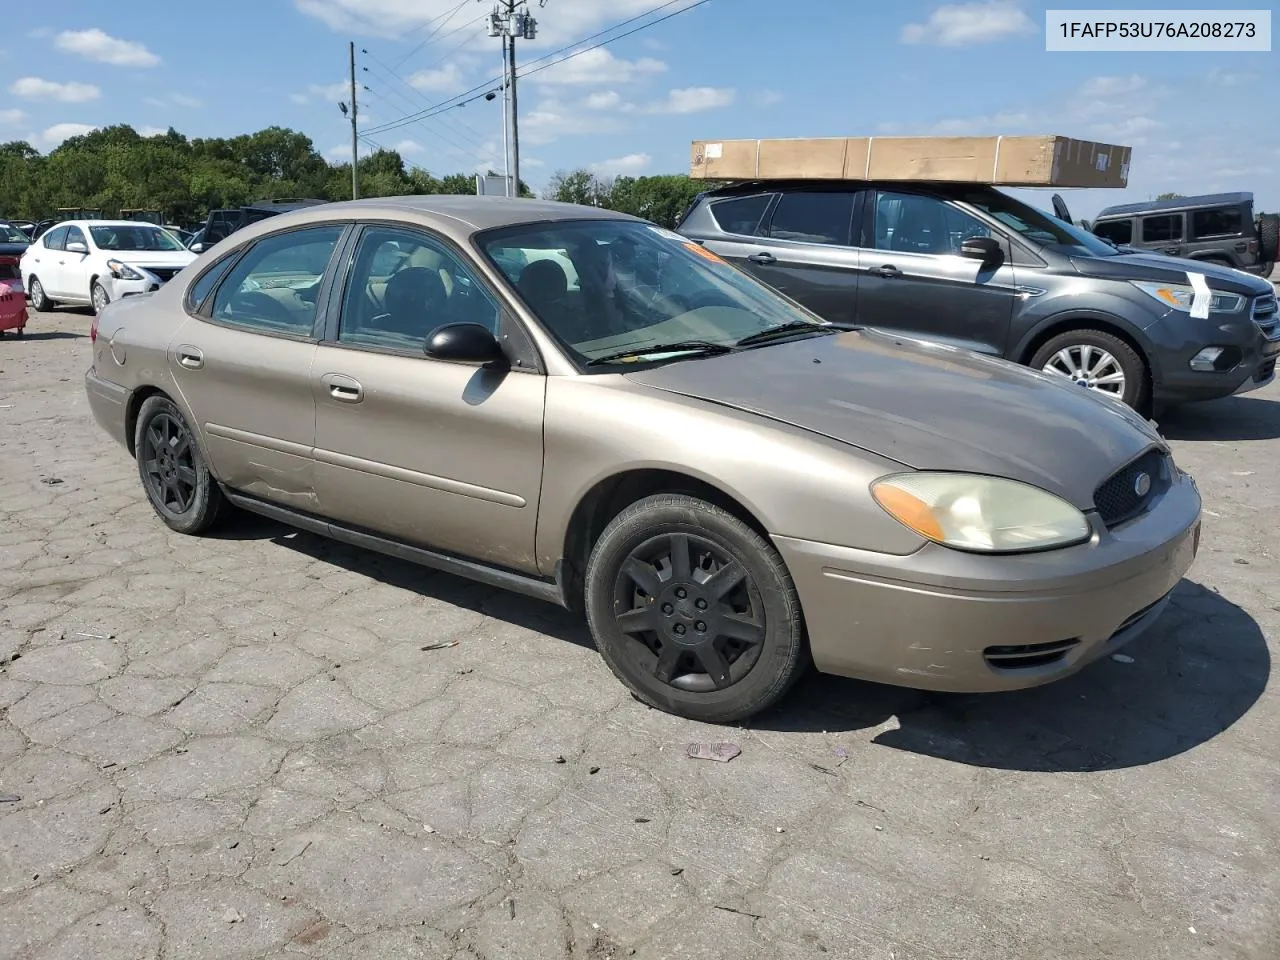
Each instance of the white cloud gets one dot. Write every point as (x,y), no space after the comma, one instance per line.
(960,24)
(977,126)
(331,91)
(446,79)
(632,163)
(152,131)
(408,147)
(592,66)
(52,136)
(12,116)
(298,98)
(94,44)
(182,100)
(33,88)
(604,100)
(1113,86)
(767,98)
(693,100)
(553,118)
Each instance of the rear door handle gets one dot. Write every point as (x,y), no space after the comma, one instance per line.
(764,259)
(887,270)
(342,388)
(190,357)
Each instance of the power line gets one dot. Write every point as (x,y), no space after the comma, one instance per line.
(445,17)
(462,129)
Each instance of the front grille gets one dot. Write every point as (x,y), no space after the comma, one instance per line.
(1264,315)
(1020,656)
(165,274)
(1118,499)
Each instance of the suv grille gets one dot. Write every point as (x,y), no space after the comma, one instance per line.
(1264,315)
(1118,499)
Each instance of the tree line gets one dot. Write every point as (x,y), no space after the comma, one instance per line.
(116,168)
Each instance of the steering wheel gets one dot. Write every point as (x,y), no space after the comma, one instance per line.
(263,306)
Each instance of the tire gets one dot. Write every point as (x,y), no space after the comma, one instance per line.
(1269,237)
(1057,354)
(98,297)
(709,676)
(35,292)
(178,483)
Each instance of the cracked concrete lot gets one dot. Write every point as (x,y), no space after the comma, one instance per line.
(237,747)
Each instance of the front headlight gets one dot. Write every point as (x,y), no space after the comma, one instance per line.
(122,271)
(984,514)
(1179,296)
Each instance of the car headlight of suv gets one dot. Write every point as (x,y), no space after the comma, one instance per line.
(979,513)
(122,271)
(1179,296)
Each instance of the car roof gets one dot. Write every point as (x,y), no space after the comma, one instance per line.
(1177,203)
(105,223)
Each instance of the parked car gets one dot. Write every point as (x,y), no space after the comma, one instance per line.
(96,261)
(1218,228)
(973,267)
(220,224)
(723,482)
(13,244)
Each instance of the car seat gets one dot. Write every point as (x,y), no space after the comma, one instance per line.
(415,299)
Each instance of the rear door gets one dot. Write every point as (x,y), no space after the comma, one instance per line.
(914,280)
(1164,233)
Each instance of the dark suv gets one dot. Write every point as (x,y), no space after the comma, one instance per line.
(1219,227)
(970,266)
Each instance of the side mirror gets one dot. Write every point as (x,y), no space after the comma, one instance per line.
(196,247)
(75,246)
(986,249)
(465,342)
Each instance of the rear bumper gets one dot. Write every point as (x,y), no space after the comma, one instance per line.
(944,620)
(109,403)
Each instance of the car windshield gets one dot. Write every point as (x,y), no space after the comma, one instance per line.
(11,234)
(1039,227)
(605,288)
(134,237)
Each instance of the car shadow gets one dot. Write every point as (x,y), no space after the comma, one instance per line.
(47,335)
(1231,418)
(1190,677)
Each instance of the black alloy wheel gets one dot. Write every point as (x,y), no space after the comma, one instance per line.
(174,475)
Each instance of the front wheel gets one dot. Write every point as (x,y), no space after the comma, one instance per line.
(693,610)
(98,294)
(39,302)
(174,474)
(1099,361)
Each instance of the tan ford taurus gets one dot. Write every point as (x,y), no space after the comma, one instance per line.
(594,411)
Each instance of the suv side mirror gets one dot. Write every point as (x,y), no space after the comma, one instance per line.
(986,249)
(75,246)
(465,342)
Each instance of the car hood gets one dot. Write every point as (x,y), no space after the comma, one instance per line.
(155,258)
(1159,268)
(927,406)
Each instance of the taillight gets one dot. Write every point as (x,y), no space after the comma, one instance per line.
(93,329)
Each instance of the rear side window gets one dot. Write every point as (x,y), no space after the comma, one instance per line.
(1222,222)
(811,217)
(1117,231)
(55,238)
(1162,229)
(742,214)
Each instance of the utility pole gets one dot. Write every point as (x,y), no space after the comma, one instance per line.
(511,19)
(355,134)
(506,147)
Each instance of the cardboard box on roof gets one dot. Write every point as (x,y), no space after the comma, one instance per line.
(1038,161)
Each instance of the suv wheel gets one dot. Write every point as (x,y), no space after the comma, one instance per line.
(693,610)
(174,474)
(1269,237)
(1096,361)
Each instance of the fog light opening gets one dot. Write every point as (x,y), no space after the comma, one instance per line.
(1206,359)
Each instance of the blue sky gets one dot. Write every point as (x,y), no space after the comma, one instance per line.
(1198,122)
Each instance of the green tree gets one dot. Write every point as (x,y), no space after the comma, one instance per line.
(1169,196)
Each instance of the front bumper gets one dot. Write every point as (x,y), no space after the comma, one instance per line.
(1178,338)
(940,619)
(118,289)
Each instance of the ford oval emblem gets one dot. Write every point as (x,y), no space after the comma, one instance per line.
(1142,484)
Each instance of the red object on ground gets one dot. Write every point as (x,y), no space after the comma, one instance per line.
(13,309)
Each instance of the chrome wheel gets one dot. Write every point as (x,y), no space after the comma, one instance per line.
(100,298)
(1090,367)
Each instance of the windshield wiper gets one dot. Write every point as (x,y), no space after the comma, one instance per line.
(701,347)
(793,326)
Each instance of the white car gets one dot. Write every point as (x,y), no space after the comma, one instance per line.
(97,261)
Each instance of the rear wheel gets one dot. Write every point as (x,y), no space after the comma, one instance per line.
(1097,361)
(39,302)
(693,610)
(174,474)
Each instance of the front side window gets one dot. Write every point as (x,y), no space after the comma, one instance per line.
(813,217)
(1222,222)
(273,288)
(1036,226)
(603,287)
(75,235)
(741,215)
(207,281)
(915,223)
(1117,231)
(56,238)
(134,237)
(402,286)
(1162,229)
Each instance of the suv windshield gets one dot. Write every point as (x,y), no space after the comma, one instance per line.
(607,287)
(1038,227)
(134,238)
(11,234)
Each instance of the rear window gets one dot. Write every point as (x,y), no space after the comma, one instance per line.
(1220,222)
(741,214)
(813,218)
(1117,231)
(1161,229)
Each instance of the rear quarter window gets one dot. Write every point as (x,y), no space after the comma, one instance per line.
(1220,222)
(741,215)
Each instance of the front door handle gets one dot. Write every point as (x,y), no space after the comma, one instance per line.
(342,388)
(764,258)
(887,270)
(190,357)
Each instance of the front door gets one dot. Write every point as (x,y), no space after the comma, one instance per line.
(914,280)
(72,275)
(440,454)
(243,366)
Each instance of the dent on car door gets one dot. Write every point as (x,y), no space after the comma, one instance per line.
(915,280)
(446,455)
(243,363)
